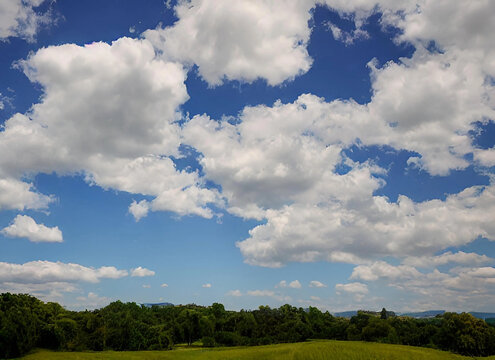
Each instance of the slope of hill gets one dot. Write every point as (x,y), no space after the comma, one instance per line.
(335,350)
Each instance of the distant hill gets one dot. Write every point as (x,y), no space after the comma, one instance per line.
(164,304)
(417,315)
(349,314)
(424,314)
(483,315)
(346,314)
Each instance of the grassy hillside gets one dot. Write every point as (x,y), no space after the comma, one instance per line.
(314,350)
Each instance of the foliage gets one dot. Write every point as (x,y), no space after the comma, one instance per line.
(26,323)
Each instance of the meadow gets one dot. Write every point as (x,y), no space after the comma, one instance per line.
(311,350)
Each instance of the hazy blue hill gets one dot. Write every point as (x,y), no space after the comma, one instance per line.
(163,304)
(483,315)
(346,314)
(424,314)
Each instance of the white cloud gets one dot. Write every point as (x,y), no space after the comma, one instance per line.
(485,157)
(19,195)
(91,301)
(43,272)
(146,286)
(125,101)
(370,228)
(295,284)
(281,167)
(239,40)
(141,272)
(458,289)
(381,269)
(354,288)
(164,285)
(269,293)
(261,293)
(236,293)
(19,18)
(139,209)
(316,284)
(208,285)
(24,226)
(347,37)
(459,257)
(47,291)
(273,157)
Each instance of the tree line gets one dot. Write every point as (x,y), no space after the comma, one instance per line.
(27,323)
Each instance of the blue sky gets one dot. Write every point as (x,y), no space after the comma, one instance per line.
(325,153)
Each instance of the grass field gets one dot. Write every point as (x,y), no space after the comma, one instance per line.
(313,350)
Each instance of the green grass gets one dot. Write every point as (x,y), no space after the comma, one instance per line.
(313,350)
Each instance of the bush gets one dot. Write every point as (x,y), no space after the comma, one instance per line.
(208,341)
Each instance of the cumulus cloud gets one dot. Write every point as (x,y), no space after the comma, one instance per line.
(457,288)
(354,288)
(49,291)
(236,293)
(358,290)
(239,40)
(19,18)
(459,257)
(370,228)
(302,193)
(91,301)
(164,285)
(316,284)
(282,162)
(381,269)
(139,209)
(269,293)
(485,157)
(260,293)
(43,272)
(347,37)
(126,102)
(295,284)
(24,226)
(141,272)
(208,285)
(20,195)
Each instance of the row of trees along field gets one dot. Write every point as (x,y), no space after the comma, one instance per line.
(26,323)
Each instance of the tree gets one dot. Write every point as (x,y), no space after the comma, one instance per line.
(383,314)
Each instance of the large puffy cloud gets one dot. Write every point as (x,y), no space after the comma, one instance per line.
(429,104)
(432,100)
(18,18)
(239,40)
(25,227)
(282,166)
(282,160)
(108,111)
(280,154)
(370,229)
